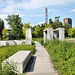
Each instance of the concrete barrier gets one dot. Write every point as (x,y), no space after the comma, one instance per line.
(10,42)
(18,42)
(3,43)
(20,59)
(23,42)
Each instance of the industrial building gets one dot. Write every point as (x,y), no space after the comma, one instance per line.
(68,21)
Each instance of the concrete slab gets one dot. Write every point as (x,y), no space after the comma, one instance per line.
(20,59)
(10,42)
(3,43)
(18,42)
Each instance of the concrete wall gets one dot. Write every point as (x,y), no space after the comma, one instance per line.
(45,36)
(28,36)
(3,43)
(9,43)
(18,42)
(55,35)
(48,34)
(61,34)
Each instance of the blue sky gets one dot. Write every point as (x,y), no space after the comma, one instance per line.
(33,11)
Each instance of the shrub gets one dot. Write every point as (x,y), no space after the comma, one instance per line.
(71,32)
(9,69)
(62,55)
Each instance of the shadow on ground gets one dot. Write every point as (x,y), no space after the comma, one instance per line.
(31,64)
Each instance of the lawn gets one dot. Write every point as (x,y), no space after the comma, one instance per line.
(7,51)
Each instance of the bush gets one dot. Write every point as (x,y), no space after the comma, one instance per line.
(71,32)
(62,55)
(9,69)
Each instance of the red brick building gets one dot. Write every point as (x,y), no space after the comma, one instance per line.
(68,21)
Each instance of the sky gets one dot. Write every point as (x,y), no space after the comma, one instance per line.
(33,11)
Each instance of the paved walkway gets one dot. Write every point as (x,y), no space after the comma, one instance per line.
(42,64)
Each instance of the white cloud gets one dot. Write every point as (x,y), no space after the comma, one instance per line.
(33,4)
(51,10)
(33,25)
(15,6)
(73,10)
(12,10)
(3,16)
(12,7)
(41,23)
(40,15)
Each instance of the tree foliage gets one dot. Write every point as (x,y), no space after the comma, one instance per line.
(1,27)
(71,32)
(57,25)
(15,24)
(54,25)
(25,25)
(37,31)
(67,27)
(5,33)
(50,21)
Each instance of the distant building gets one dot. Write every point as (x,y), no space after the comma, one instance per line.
(68,21)
(57,19)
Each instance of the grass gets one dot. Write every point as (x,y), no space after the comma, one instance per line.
(69,37)
(40,40)
(62,55)
(7,51)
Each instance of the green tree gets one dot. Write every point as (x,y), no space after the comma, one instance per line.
(45,26)
(67,27)
(1,27)
(5,33)
(25,25)
(15,24)
(71,32)
(50,21)
(57,25)
(37,31)
(42,29)
(49,26)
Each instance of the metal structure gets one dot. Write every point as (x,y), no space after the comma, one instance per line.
(46,15)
